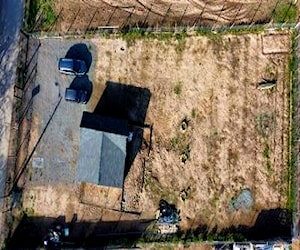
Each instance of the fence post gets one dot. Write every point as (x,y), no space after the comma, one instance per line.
(76,14)
(219,15)
(236,15)
(149,10)
(36,22)
(126,22)
(273,11)
(256,12)
(287,11)
(180,20)
(56,19)
(166,14)
(88,26)
(200,16)
(110,17)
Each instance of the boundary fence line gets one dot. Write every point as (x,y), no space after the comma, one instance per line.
(205,30)
(139,15)
(123,29)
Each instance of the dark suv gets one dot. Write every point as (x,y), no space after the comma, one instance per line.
(72,66)
(76,95)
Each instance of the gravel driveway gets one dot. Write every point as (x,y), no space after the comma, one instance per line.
(55,158)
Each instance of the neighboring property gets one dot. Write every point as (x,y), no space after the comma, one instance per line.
(102,150)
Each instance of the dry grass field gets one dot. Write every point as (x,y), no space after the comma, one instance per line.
(236,134)
(215,132)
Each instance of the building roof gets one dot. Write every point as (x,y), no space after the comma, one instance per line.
(102,153)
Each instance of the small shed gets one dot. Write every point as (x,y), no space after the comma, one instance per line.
(102,153)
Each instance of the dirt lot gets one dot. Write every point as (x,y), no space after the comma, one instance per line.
(205,104)
(236,134)
(77,15)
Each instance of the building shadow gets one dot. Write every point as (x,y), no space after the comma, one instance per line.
(80,51)
(82,83)
(130,103)
(123,101)
(32,231)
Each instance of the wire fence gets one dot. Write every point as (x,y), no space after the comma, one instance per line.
(24,91)
(87,18)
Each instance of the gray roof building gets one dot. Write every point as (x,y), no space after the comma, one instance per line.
(102,153)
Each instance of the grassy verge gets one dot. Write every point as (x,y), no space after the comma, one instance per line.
(285,13)
(292,70)
(39,11)
(131,35)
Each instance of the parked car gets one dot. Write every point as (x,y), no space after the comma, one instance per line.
(72,66)
(76,95)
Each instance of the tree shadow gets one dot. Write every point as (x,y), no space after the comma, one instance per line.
(80,51)
(82,83)
(273,223)
(270,224)
(129,103)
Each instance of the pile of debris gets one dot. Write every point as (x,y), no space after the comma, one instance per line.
(56,236)
(168,213)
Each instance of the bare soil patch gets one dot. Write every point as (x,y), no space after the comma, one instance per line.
(82,15)
(235,135)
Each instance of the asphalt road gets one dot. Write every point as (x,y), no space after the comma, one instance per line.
(11,17)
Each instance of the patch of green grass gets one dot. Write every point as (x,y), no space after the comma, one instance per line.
(180,45)
(177,88)
(285,13)
(194,114)
(216,34)
(34,8)
(132,35)
(31,11)
(49,16)
(174,143)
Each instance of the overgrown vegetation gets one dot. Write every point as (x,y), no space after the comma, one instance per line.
(131,35)
(285,13)
(186,238)
(39,12)
(216,33)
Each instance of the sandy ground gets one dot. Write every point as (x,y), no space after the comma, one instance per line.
(77,15)
(235,138)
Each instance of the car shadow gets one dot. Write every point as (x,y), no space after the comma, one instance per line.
(80,51)
(82,83)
